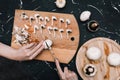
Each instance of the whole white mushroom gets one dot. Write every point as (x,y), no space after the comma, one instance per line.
(85,15)
(49,43)
(93,53)
(114,59)
(60,3)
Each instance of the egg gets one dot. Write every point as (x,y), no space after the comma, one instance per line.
(85,15)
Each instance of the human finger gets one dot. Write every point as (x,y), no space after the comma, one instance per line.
(58,67)
(37,52)
(28,45)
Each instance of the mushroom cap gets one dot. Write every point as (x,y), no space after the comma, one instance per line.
(114,59)
(85,15)
(93,53)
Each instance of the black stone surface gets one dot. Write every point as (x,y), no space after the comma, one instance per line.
(106,12)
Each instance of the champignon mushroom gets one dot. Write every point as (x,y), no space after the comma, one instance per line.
(42,26)
(60,3)
(35,28)
(31,19)
(24,16)
(47,19)
(61,20)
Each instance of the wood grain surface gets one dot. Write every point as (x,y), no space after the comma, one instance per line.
(104,70)
(64,49)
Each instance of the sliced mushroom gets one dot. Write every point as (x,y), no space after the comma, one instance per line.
(26,27)
(41,19)
(31,19)
(37,17)
(68,31)
(49,28)
(67,23)
(42,26)
(53,19)
(61,31)
(35,28)
(24,16)
(61,21)
(47,19)
(54,30)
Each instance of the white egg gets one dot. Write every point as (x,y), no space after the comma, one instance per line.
(85,15)
(114,59)
(93,53)
(60,3)
(49,43)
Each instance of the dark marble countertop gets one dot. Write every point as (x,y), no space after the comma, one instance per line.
(106,12)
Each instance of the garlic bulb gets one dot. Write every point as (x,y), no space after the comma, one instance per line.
(85,15)
(60,3)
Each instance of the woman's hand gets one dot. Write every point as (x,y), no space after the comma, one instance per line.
(27,52)
(66,74)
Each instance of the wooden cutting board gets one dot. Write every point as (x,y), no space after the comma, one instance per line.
(104,70)
(64,49)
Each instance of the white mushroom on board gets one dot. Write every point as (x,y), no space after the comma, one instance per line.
(54,30)
(35,28)
(60,3)
(53,19)
(47,44)
(42,26)
(49,28)
(67,23)
(24,16)
(61,31)
(85,15)
(68,31)
(61,21)
(31,19)
(37,17)
(47,19)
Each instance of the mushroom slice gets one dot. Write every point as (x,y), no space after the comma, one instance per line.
(54,30)
(53,19)
(49,28)
(61,21)
(68,31)
(42,26)
(61,31)
(47,19)
(47,43)
(26,27)
(67,23)
(37,17)
(31,19)
(24,16)
(35,28)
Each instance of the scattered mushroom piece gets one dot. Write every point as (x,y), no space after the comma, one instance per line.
(35,28)
(61,31)
(67,23)
(42,26)
(24,16)
(47,19)
(37,17)
(41,19)
(49,28)
(53,19)
(61,21)
(60,3)
(68,31)
(26,27)
(31,19)
(90,70)
(54,30)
